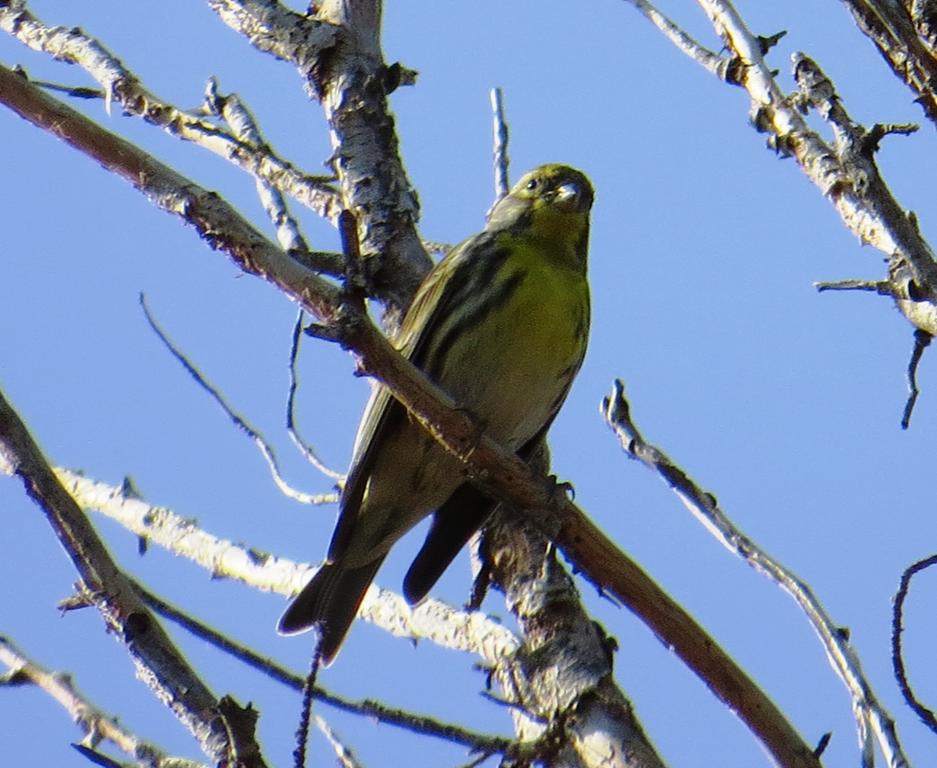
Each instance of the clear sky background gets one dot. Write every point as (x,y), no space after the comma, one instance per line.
(783,403)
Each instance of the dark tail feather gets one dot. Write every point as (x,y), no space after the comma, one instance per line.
(331,601)
(453,525)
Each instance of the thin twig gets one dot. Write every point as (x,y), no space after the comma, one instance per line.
(345,757)
(305,448)
(96,725)
(75,91)
(259,441)
(897,654)
(421,724)
(305,714)
(881,287)
(500,144)
(98,758)
(244,126)
(712,62)
(922,340)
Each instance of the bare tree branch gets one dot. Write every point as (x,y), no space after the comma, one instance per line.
(876,216)
(273,28)
(903,34)
(352,81)
(244,126)
(215,221)
(158,663)
(367,708)
(845,172)
(871,716)
(122,86)
(97,726)
(563,688)
(431,620)
(501,472)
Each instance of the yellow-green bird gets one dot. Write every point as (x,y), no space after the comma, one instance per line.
(501,324)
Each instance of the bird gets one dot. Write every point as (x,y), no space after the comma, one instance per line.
(501,324)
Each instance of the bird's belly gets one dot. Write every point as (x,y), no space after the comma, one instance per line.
(522,360)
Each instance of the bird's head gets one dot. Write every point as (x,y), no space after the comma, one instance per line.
(550,202)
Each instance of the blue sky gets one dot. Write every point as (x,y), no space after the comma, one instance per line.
(782,402)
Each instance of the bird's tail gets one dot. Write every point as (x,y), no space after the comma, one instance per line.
(454,523)
(329,601)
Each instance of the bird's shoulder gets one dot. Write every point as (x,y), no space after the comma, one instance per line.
(444,282)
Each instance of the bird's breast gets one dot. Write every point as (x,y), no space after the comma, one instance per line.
(524,353)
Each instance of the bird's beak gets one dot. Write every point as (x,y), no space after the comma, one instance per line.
(567,195)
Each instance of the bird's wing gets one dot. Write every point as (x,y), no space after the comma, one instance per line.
(383,413)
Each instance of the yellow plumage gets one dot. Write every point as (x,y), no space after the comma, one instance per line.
(501,324)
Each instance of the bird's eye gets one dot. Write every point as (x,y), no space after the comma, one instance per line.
(532,185)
